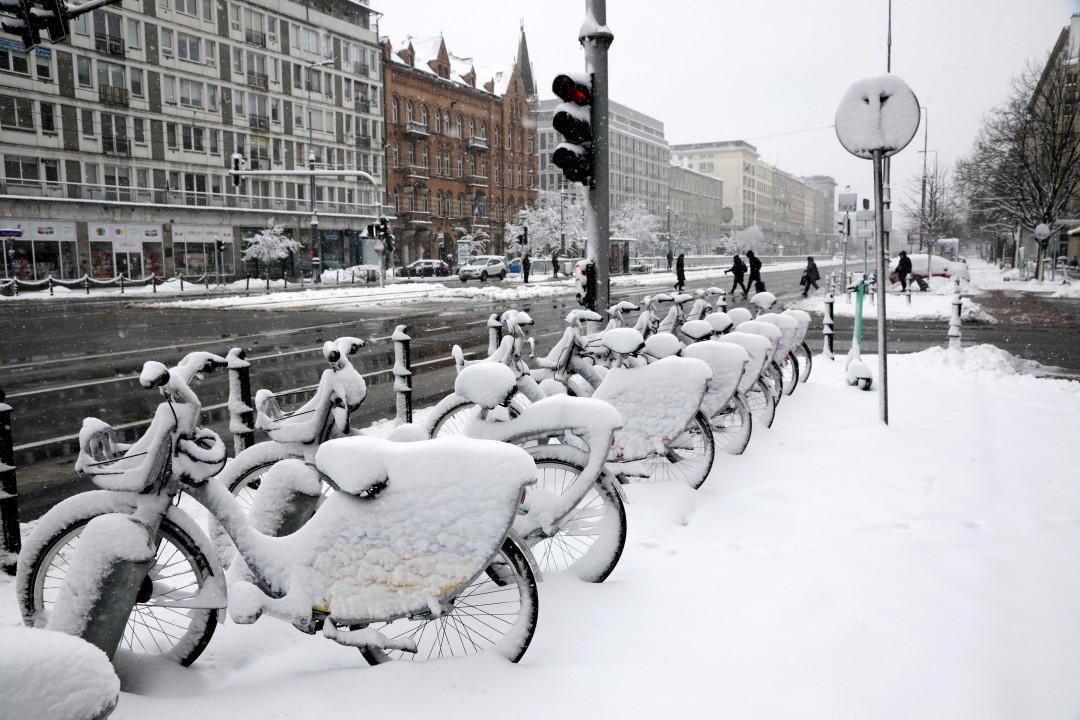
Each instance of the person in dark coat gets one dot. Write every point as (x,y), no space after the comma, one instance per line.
(903,269)
(555,263)
(810,276)
(670,257)
(526,263)
(755,271)
(680,272)
(738,269)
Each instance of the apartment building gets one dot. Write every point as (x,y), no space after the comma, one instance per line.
(461,148)
(696,202)
(639,157)
(117,144)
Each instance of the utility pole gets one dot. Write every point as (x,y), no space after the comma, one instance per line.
(596,38)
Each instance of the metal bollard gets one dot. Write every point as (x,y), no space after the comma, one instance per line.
(828,323)
(402,375)
(954,321)
(908,293)
(494,333)
(153,282)
(241,413)
(9,495)
(121,283)
(721,302)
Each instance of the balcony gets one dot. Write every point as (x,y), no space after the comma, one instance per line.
(109,44)
(109,95)
(478,143)
(258,80)
(363,141)
(415,128)
(360,68)
(415,217)
(478,181)
(258,122)
(116,146)
(362,103)
(422,172)
(255,37)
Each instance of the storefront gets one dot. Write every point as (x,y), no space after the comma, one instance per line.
(134,251)
(195,250)
(36,250)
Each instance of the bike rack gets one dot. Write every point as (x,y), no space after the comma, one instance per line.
(9,495)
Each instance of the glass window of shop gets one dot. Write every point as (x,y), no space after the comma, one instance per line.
(197,258)
(35,259)
(333,249)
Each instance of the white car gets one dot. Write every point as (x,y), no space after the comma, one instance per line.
(483,267)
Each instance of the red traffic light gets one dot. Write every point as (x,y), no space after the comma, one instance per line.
(573,90)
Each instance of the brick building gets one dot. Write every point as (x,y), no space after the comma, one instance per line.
(461,148)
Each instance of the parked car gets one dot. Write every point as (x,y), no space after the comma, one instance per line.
(424,268)
(483,267)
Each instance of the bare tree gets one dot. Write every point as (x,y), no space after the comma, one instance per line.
(932,204)
(1024,168)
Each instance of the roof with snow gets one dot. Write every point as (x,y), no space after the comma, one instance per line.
(429,53)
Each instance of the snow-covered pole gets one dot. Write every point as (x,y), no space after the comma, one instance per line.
(828,323)
(241,413)
(881,200)
(721,302)
(596,38)
(954,321)
(9,496)
(402,375)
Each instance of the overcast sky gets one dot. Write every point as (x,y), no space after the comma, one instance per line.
(769,73)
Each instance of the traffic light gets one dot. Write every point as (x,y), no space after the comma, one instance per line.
(237,169)
(221,246)
(23,24)
(573,121)
(388,243)
(372,231)
(55,19)
(384,228)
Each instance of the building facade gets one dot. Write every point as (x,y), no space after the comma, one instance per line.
(696,200)
(461,149)
(639,157)
(117,144)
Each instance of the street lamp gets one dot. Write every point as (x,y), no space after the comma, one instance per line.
(922,209)
(317,245)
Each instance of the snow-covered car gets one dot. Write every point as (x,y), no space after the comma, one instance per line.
(424,268)
(482,267)
(938,266)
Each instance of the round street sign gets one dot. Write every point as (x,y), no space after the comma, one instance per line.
(379,247)
(726,214)
(1042,231)
(877,114)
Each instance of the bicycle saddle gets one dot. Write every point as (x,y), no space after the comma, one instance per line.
(662,345)
(486,384)
(739,315)
(625,341)
(719,321)
(697,330)
(764,300)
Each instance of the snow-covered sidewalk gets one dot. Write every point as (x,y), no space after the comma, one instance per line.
(838,569)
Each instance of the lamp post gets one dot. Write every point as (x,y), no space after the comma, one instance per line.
(316,245)
(922,208)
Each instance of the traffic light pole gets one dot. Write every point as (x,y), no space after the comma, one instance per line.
(596,38)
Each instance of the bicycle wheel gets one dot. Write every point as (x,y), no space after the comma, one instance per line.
(689,457)
(774,380)
(806,361)
(762,403)
(789,371)
(180,569)
(453,418)
(732,426)
(588,541)
(497,612)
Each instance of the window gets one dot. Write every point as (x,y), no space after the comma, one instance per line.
(44,67)
(78,24)
(48,119)
(472,128)
(83,70)
(14,61)
(191,138)
(393,112)
(187,7)
(140,130)
(188,47)
(190,93)
(214,148)
(410,153)
(52,170)
(294,35)
(88,123)
(310,40)
(170,135)
(275,110)
(110,74)
(237,60)
(408,111)
(136,82)
(459,128)
(234,16)
(438,123)
(168,88)
(114,135)
(460,164)
(423,115)
(117,183)
(530,144)
(238,103)
(166,42)
(207,10)
(211,53)
(133,34)
(16,112)
(21,167)
(90,173)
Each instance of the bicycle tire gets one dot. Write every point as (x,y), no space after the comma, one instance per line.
(689,456)
(589,540)
(789,370)
(479,620)
(733,425)
(774,380)
(762,403)
(181,566)
(453,418)
(806,363)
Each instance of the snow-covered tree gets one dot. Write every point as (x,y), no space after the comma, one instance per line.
(751,238)
(552,214)
(1024,168)
(931,204)
(634,221)
(271,243)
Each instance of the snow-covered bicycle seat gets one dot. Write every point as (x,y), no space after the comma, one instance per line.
(803,318)
(624,341)
(662,345)
(720,322)
(763,301)
(789,330)
(757,348)
(697,330)
(739,315)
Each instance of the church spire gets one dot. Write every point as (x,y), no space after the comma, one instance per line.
(524,66)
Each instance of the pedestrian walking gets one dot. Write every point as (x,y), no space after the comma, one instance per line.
(754,280)
(555,263)
(903,269)
(526,263)
(680,272)
(810,276)
(670,257)
(738,270)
